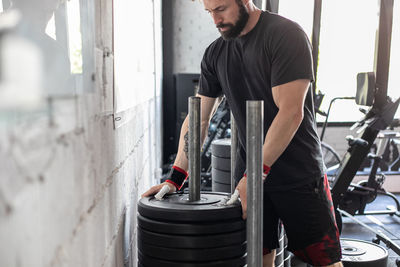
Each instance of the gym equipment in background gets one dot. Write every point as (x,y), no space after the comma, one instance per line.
(390,162)
(330,156)
(376,120)
(175,110)
(348,198)
(221,165)
(219,128)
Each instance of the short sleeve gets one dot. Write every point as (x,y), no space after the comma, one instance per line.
(291,58)
(208,84)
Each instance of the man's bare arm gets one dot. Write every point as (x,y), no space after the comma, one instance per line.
(182,156)
(181,160)
(289,98)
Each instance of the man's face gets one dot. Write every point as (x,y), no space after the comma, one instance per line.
(230,16)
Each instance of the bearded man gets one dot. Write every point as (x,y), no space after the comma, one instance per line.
(263,56)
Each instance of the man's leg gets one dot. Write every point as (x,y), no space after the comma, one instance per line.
(309,221)
(269,259)
(271,232)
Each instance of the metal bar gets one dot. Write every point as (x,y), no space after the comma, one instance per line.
(254,142)
(194,148)
(382,59)
(234,141)
(272,6)
(329,111)
(350,164)
(380,224)
(378,212)
(315,40)
(258,3)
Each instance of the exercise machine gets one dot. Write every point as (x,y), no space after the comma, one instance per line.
(351,199)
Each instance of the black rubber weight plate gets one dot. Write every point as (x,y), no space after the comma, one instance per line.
(221,177)
(192,255)
(146,261)
(221,148)
(177,208)
(218,187)
(166,227)
(360,253)
(185,241)
(223,164)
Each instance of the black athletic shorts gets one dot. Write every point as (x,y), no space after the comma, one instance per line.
(308,217)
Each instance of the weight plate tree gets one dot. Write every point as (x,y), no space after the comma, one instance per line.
(181,233)
(359,253)
(221,148)
(221,165)
(190,230)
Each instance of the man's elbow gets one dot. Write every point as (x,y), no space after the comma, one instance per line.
(297,116)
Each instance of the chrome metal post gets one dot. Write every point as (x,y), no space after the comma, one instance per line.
(234,141)
(194,148)
(254,143)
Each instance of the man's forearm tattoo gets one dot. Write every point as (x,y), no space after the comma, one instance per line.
(186,147)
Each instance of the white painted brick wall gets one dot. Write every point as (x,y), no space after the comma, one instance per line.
(193,32)
(69,188)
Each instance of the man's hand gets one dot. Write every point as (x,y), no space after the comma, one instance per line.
(155,189)
(176,178)
(242,188)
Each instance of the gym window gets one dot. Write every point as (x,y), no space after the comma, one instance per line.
(290,9)
(394,67)
(347,47)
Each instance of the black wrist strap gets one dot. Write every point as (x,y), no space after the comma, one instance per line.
(177,177)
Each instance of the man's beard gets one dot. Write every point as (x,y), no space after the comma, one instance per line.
(235,29)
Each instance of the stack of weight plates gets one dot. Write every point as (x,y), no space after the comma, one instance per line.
(174,232)
(221,165)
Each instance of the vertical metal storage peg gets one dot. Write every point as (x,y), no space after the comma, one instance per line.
(254,143)
(233,151)
(194,148)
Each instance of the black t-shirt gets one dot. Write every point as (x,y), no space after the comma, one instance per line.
(276,51)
